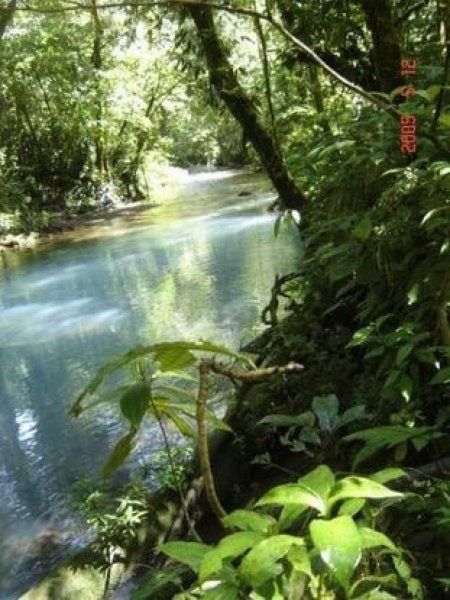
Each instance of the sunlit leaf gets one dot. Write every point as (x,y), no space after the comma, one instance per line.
(189,553)
(293,493)
(339,544)
(249,520)
(261,563)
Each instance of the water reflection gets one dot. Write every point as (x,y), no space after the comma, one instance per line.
(200,265)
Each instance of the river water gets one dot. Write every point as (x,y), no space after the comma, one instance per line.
(200,265)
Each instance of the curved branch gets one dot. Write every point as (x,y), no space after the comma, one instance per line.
(207,366)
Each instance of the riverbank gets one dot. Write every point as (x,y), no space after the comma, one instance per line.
(22,241)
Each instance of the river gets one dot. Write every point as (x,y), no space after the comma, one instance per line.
(201,264)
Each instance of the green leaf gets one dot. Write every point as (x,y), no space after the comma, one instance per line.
(370,538)
(352,507)
(134,402)
(403,353)
(387,436)
(320,480)
(363,230)
(444,119)
(442,377)
(388,474)
(359,487)
(326,408)
(119,454)
(223,591)
(361,336)
(402,568)
(433,92)
(339,544)
(261,563)
(293,493)
(188,553)
(355,413)
(229,547)
(249,520)
(172,358)
(305,419)
(167,353)
(183,426)
(298,556)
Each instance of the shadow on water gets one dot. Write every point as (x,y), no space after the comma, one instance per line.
(199,265)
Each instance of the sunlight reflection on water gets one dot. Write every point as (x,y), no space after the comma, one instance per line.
(200,265)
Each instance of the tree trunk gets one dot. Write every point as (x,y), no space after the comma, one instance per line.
(243,109)
(6,16)
(97,63)
(386,46)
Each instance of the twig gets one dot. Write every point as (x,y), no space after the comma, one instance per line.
(207,366)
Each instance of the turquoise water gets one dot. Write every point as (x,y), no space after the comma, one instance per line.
(200,265)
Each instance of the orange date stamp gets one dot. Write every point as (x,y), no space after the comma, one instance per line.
(408,123)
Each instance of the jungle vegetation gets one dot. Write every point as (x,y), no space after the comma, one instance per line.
(329,478)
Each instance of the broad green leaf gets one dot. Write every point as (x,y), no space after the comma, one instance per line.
(249,520)
(229,547)
(363,230)
(293,493)
(299,558)
(359,487)
(119,454)
(261,563)
(236,543)
(305,419)
(352,507)
(326,408)
(172,358)
(320,480)
(339,544)
(188,553)
(134,402)
(370,538)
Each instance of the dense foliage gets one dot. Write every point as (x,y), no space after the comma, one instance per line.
(314,92)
